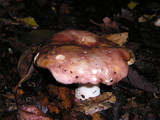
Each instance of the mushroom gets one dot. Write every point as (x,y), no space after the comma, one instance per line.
(84,58)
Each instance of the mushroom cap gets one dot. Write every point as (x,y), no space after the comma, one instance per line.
(75,56)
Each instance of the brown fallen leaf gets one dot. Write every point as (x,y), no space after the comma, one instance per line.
(25,66)
(25,61)
(96,104)
(96,116)
(10,96)
(118,38)
(44,101)
(31,112)
(139,81)
(64,96)
(59,101)
(146,18)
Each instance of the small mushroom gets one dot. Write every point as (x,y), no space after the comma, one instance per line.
(84,58)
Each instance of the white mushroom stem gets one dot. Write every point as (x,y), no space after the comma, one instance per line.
(85,91)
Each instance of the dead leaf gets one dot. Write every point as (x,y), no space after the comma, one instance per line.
(96,104)
(31,112)
(139,81)
(44,101)
(64,96)
(25,61)
(146,18)
(96,116)
(25,66)
(118,38)
(10,96)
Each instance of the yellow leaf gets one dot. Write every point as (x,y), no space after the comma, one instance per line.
(132,4)
(28,21)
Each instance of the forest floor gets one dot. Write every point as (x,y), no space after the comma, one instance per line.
(24,23)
